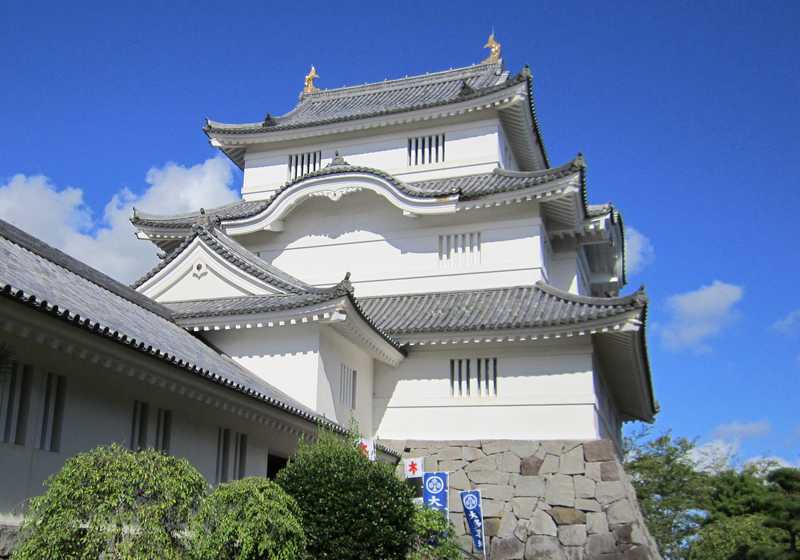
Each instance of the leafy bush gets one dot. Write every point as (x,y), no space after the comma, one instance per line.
(434,537)
(248,519)
(352,508)
(113,503)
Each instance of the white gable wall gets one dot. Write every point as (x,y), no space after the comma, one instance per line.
(284,357)
(470,148)
(544,391)
(335,351)
(387,252)
(200,273)
(304,362)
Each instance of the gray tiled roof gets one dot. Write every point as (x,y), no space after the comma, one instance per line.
(467,187)
(247,305)
(234,252)
(380,98)
(521,307)
(50,281)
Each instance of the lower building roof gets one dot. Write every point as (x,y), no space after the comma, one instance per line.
(48,280)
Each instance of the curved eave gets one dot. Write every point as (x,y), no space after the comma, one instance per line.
(233,141)
(339,180)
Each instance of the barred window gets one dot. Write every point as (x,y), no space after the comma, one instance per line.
(139,419)
(460,249)
(53,412)
(163,430)
(348,380)
(15,396)
(231,455)
(302,163)
(424,150)
(473,377)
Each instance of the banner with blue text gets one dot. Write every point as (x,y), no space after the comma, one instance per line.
(473,511)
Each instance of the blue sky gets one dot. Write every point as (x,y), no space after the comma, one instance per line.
(687,113)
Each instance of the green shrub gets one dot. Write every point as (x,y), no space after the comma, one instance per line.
(248,519)
(434,537)
(113,503)
(351,508)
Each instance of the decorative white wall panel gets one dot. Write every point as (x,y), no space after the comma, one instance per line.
(470,148)
(386,252)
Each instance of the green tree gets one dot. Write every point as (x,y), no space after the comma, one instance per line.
(433,537)
(724,538)
(734,493)
(352,508)
(113,503)
(248,519)
(670,489)
(782,510)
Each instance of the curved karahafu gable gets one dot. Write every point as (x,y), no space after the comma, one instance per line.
(436,196)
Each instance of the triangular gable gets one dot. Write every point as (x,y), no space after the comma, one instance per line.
(210,265)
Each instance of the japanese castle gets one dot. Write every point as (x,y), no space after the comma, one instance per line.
(404,256)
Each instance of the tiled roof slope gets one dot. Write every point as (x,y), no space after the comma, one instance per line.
(521,307)
(234,252)
(50,281)
(468,187)
(247,305)
(390,96)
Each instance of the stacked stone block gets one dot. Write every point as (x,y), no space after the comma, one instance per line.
(549,500)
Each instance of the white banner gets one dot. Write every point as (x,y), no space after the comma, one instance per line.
(413,467)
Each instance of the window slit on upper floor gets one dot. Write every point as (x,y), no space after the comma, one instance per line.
(424,150)
(303,163)
(460,249)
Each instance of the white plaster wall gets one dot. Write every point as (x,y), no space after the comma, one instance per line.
(304,361)
(387,252)
(285,357)
(545,391)
(337,350)
(98,410)
(563,271)
(470,148)
(608,419)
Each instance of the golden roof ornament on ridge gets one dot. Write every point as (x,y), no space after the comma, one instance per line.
(309,81)
(494,50)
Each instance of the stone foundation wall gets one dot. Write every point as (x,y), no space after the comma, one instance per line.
(551,500)
(8,539)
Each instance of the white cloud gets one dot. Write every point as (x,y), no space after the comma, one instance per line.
(789,324)
(737,431)
(639,251)
(720,452)
(766,463)
(714,456)
(62,219)
(698,315)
